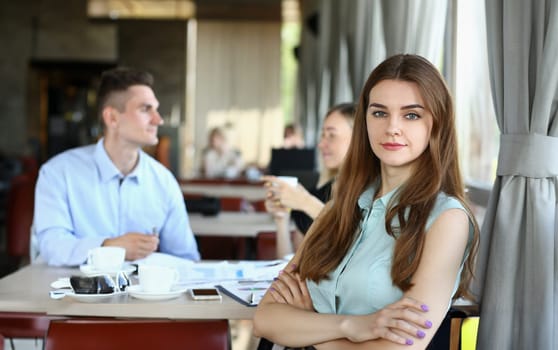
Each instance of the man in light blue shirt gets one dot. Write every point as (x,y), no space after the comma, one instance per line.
(112,193)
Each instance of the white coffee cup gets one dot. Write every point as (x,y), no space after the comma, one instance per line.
(157,279)
(106,258)
(291,180)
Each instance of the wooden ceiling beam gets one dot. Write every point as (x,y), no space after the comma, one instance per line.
(260,10)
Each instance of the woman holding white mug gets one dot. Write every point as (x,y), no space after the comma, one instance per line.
(283,197)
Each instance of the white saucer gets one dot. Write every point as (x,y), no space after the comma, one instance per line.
(89,270)
(92,298)
(138,293)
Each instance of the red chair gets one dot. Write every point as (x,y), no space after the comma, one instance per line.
(220,247)
(233,203)
(19,216)
(29,165)
(22,325)
(259,205)
(18,221)
(266,245)
(94,334)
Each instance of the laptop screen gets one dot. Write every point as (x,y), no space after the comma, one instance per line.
(295,162)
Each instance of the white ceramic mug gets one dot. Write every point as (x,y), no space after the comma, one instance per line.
(106,258)
(291,180)
(157,279)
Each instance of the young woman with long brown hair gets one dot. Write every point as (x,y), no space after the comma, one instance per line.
(380,265)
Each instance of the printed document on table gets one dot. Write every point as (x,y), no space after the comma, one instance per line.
(246,292)
(211,273)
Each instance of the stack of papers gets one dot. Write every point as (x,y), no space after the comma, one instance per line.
(244,280)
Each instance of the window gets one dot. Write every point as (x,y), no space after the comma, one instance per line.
(478,131)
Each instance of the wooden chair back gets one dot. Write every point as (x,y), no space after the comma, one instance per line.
(266,245)
(19,215)
(138,335)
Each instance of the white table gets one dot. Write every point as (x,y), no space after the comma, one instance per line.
(251,193)
(27,291)
(232,224)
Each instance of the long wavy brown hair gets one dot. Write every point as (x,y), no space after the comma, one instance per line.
(436,170)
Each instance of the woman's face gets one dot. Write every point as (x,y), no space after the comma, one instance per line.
(398,124)
(217,141)
(335,140)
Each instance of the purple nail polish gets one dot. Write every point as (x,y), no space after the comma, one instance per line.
(424,307)
(409,342)
(428,324)
(421,334)
(272,289)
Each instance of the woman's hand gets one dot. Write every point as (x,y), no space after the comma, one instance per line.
(289,289)
(399,322)
(285,195)
(273,207)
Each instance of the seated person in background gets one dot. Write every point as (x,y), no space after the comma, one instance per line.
(112,193)
(219,159)
(281,197)
(380,265)
(292,136)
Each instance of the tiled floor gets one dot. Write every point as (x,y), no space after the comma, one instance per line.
(241,335)
(23,344)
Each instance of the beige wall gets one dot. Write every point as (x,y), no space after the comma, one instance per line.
(237,85)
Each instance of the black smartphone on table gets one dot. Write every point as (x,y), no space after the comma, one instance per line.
(205,294)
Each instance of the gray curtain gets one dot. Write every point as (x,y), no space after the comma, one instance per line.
(352,38)
(416,26)
(518,259)
(309,63)
(335,58)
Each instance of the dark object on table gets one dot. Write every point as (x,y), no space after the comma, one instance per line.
(207,206)
(101,284)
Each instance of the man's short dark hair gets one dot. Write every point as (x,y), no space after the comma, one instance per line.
(119,80)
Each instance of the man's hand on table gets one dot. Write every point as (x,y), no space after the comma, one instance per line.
(137,245)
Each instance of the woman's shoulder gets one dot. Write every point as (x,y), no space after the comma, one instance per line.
(445,201)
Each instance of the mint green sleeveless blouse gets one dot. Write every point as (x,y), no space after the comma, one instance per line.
(361,283)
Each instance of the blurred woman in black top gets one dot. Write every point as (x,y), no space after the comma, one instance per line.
(284,201)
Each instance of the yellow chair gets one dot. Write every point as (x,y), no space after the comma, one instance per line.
(464,333)
(469,331)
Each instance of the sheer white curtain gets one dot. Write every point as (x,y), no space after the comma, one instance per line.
(475,117)
(237,86)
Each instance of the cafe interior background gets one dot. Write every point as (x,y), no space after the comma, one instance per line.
(250,66)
